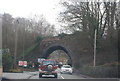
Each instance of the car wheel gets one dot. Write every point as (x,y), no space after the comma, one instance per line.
(70,73)
(40,75)
(56,75)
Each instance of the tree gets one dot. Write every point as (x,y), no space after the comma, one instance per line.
(19,34)
(85,17)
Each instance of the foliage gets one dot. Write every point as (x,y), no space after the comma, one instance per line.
(100,71)
(17,70)
(7,62)
(62,35)
(19,35)
(85,17)
(39,39)
(29,50)
(36,65)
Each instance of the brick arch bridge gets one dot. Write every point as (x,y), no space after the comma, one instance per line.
(52,44)
(73,45)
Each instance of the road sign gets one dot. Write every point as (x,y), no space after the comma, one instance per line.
(40,60)
(25,63)
(33,65)
(22,63)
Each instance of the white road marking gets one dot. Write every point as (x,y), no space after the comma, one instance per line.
(58,74)
(61,76)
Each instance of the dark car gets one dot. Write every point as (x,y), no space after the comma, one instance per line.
(48,67)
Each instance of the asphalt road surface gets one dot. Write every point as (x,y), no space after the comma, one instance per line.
(35,75)
(60,76)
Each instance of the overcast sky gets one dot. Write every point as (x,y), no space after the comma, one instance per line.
(29,8)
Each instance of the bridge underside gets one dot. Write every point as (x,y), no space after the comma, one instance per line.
(54,48)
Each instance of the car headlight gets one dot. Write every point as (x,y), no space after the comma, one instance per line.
(70,70)
(62,69)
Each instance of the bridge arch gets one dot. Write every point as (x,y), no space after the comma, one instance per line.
(53,48)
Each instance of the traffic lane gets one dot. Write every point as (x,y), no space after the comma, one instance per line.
(35,75)
(60,76)
(45,77)
(69,76)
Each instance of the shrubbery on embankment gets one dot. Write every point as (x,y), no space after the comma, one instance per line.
(102,71)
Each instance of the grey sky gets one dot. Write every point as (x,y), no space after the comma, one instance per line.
(28,8)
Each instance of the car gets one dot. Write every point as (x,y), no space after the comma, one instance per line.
(48,67)
(66,69)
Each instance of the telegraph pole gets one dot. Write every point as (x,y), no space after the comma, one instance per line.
(16,39)
(0,41)
(23,47)
(95,48)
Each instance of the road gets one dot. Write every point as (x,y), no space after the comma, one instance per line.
(60,76)
(35,75)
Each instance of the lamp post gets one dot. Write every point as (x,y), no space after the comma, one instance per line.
(95,48)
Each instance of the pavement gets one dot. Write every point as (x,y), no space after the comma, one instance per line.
(24,75)
(1,71)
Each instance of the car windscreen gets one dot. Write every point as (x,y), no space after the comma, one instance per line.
(66,66)
(48,62)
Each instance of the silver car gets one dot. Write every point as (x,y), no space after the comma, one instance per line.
(66,69)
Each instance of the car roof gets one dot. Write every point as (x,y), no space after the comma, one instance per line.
(66,65)
(49,60)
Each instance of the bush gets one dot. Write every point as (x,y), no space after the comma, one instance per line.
(100,71)
(17,70)
(7,62)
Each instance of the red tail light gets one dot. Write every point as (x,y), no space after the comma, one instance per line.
(40,67)
(55,67)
